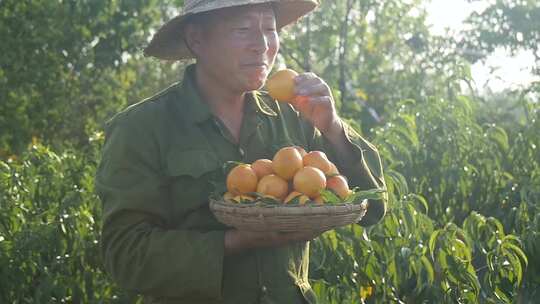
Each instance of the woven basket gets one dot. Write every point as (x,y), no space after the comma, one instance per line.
(287,218)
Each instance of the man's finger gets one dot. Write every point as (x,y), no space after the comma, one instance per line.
(300,101)
(303,104)
(320,100)
(305,76)
(313,89)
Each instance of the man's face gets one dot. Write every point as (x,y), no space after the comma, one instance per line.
(239,47)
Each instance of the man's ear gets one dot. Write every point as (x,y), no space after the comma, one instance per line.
(193,37)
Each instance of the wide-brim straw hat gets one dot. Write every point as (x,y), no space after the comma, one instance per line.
(168,43)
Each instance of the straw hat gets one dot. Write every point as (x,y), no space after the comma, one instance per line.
(168,42)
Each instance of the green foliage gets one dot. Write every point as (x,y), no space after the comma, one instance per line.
(62,76)
(513,25)
(374,54)
(406,259)
(49,245)
(463,172)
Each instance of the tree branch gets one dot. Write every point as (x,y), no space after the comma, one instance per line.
(286,53)
(307,53)
(343,46)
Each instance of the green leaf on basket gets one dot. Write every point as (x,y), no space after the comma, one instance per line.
(294,201)
(358,196)
(329,197)
(229,165)
(265,200)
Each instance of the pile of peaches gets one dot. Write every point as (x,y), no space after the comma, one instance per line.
(293,176)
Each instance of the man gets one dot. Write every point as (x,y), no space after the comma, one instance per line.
(162,156)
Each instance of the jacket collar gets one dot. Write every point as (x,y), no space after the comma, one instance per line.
(196,111)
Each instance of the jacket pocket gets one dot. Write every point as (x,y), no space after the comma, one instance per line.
(194,175)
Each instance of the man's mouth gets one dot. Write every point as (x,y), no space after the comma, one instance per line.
(256,64)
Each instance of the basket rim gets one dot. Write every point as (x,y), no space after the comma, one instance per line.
(250,209)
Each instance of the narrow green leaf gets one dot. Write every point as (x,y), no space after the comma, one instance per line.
(330,197)
(517,251)
(360,195)
(432,242)
(429,269)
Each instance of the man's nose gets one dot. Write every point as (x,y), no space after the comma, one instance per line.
(259,41)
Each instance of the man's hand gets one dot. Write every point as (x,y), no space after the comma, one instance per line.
(315,102)
(237,240)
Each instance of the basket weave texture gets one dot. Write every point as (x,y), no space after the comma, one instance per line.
(287,218)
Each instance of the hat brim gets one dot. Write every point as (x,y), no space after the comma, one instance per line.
(168,43)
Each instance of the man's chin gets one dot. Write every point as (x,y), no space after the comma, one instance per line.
(256,85)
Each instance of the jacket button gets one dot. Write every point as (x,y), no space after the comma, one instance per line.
(264,289)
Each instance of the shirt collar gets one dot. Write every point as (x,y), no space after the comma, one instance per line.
(256,98)
(194,109)
(197,111)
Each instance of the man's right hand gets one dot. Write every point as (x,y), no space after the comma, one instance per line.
(237,241)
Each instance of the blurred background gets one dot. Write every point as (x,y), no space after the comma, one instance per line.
(447,90)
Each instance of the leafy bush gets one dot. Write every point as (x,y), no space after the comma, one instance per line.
(49,241)
(465,182)
(451,235)
(463,173)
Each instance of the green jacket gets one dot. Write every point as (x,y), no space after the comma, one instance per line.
(158,165)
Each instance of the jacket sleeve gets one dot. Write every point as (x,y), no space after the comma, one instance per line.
(365,172)
(139,250)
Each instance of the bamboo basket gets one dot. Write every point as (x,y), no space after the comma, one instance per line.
(287,218)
